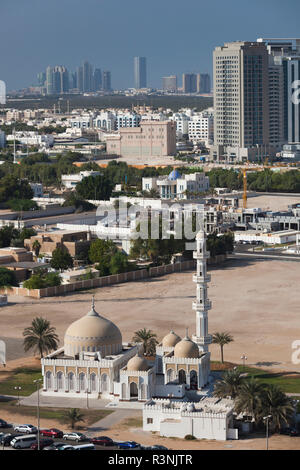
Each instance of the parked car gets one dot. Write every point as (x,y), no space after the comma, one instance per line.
(23,442)
(4,424)
(159,447)
(26,429)
(6,439)
(75,436)
(66,447)
(293,432)
(52,432)
(102,441)
(128,445)
(88,446)
(55,446)
(43,443)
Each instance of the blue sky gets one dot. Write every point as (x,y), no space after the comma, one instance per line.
(174,35)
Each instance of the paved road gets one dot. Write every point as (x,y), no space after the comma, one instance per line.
(109,421)
(264,255)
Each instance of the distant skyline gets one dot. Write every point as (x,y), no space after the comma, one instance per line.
(175,38)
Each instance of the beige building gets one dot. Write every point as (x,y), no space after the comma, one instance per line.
(152,138)
(241,101)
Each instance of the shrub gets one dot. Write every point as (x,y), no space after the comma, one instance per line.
(189,437)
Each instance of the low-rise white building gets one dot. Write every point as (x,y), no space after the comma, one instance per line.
(211,418)
(70,181)
(269,238)
(176,186)
(32,138)
(201,127)
(37,188)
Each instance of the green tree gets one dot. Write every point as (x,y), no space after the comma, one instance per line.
(12,187)
(61,259)
(73,416)
(7,278)
(41,280)
(36,247)
(95,187)
(7,234)
(101,252)
(40,337)
(222,339)
(119,263)
(229,385)
(250,399)
(277,404)
(148,338)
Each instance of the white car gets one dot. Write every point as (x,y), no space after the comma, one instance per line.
(75,436)
(26,428)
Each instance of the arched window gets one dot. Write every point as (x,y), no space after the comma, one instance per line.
(60,381)
(133,390)
(170,375)
(104,382)
(93,382)
(49,380)
(182,376)
(82,382)
(71,378)
(193,380)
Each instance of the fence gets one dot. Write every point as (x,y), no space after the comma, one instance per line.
(106,280)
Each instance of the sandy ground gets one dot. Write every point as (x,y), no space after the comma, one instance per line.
(256,301)
(272,203)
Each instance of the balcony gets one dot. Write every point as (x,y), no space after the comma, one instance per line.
(202,306)
(200,279)
(204,255)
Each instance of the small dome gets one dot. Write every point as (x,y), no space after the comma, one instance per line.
(186,348)
(174,175)
(190,407)
(93,333)
(137,363)
(170,340)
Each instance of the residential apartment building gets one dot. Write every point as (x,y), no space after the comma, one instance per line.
(203,83)
(169,83)
(241,101)
(151,138)
(189,83)
(57,80)
(201,127)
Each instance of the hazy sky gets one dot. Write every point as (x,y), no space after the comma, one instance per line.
(176,36)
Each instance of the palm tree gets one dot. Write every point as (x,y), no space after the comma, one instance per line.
(250,399)
(148,338)
(278,405)
(73,416)
(222,339)
(40,336)
(36,247)
(229,385)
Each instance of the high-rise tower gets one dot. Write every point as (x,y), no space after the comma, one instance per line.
(202,303)
(140,72)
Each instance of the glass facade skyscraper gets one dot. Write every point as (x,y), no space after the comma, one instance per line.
(140,72)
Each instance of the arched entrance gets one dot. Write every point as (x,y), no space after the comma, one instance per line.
(182,376)
(82,382)
(193,380)
(133,390)
(104,380)
(71,381)
(60,381)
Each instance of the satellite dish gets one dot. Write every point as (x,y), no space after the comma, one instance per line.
(2,353)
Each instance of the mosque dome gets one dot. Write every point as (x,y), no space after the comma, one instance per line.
(186,348)
(137,363)
(170,340)
(93,333)
(174,175)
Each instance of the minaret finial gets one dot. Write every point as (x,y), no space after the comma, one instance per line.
(93,301)
(186,332)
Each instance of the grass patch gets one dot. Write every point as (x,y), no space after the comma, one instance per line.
(133,422)
(58,414)
(289,382)
(20,377)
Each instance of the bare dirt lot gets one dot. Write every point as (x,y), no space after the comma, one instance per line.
(271,202)
(256,301)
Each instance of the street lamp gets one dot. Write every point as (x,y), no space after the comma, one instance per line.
(87,398)
(18,392)
(244,359)
(38,382)
(266,418)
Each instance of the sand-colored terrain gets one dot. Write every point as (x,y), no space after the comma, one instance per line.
(272,202)
(256,301)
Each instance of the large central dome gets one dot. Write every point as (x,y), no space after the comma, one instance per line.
(93,333)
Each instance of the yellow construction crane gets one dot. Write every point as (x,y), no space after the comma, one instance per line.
(245,189)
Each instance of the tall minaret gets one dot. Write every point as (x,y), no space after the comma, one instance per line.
(202,304)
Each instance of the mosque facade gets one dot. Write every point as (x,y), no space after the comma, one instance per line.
(95,361)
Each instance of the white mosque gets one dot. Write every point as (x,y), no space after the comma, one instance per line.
(95,361)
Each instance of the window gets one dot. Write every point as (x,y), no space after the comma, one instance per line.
(149,420)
